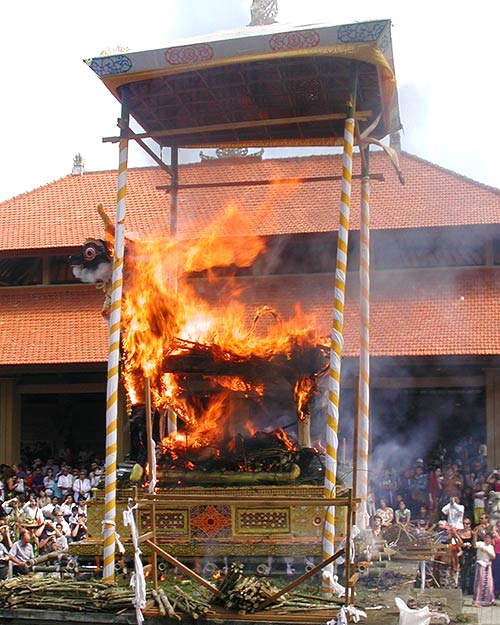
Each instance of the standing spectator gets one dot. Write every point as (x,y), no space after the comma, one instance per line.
(402,514)
(479,498)
(371,508)
(386,486)
(483,527)
(435,492)
(22,553)
(452,484)
(81,487)
(495,566)
(467,559)
(454,511)
(65,482)
(419,488)
(484,593)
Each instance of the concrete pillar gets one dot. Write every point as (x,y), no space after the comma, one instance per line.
(10,422)
(493,416)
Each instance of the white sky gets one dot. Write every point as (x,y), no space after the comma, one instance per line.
(52,106)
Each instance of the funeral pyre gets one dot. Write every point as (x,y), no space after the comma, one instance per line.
(235,378)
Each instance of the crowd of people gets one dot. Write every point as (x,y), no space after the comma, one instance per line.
(449,497)
(43,507)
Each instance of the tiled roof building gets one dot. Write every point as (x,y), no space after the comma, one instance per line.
(435,276)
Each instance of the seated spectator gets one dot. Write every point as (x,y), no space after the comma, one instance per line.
(37,481)
(386,513)
(423,519)
(52,466)
(96,474)
(65,482)
(46,540)
(4,561)
(60,520)
(402,514)
(22,553)
(61,540)
(50,483)
(79,530)
(81,487)
(67,505)
(32,511)
(43,499)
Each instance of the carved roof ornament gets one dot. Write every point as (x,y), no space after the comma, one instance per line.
(78,165)
(263,12)
(231,153)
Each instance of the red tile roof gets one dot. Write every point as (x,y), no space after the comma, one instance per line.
(52,325)
(63,213)
(414,313)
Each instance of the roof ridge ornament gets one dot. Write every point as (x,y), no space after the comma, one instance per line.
(78,165)
(263,12)
(221,153)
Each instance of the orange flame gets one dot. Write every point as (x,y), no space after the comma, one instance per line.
(167,324)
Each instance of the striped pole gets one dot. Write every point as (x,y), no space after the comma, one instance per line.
(174,206)
(109,523)
(363,404)
(337,340)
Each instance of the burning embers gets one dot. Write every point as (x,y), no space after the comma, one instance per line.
(212,369)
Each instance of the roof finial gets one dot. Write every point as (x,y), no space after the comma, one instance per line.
(263,12)
(78,165)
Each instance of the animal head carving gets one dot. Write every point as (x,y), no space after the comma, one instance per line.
(93,264)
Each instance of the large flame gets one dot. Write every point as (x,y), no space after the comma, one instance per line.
(165,319)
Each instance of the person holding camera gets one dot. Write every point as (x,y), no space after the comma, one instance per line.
(22,553)
(79,530)
(454,513)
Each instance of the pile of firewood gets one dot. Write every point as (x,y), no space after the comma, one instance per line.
(247,593)
(240,593)
(173,601)
(44,593)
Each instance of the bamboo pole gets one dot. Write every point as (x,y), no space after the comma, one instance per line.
(182,567)
(152,472)
(174,207)
(300,579)
(109,523)
(281,121)
(337,339)
(363,408)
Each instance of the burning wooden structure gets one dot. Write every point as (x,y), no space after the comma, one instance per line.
(314,85)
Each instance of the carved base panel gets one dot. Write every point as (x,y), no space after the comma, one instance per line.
(211,527)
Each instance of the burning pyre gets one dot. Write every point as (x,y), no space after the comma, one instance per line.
(219,368)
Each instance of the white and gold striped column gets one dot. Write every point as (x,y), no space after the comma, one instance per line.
(362,517)
(109,524)
(337,341)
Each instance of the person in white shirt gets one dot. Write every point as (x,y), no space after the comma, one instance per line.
(65,482)
(22,552)
(454,513)
(484,593)
(81,487)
